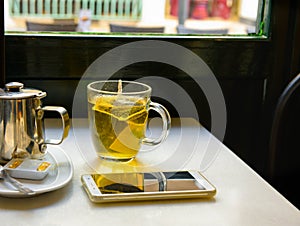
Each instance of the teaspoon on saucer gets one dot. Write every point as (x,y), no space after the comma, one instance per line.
(17,184)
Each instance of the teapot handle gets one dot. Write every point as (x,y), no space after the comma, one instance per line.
(65,123)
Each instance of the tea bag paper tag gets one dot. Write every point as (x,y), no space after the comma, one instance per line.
(120,87)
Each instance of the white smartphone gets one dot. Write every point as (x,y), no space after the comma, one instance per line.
(116,187)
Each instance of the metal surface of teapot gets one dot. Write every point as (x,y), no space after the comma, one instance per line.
(22,132)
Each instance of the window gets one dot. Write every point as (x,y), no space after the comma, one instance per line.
(160,17)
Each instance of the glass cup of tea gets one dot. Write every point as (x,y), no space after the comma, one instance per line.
(118,115)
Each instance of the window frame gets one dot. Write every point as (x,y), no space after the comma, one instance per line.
(262,30)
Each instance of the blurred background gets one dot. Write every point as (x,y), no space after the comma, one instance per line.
(174,16)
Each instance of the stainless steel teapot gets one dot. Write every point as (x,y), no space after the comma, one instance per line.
(22,132)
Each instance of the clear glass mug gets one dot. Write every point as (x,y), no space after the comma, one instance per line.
(118,114)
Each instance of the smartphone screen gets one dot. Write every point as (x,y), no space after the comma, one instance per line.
(146,182)
(112,187)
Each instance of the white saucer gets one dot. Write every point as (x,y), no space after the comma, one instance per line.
(59,175)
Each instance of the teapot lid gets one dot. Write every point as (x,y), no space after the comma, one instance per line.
(16,90)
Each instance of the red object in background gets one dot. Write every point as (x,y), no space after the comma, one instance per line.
(174,7)
(220,9)
(200,9)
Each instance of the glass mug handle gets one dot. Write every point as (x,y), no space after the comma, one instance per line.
(65,123)
(166,119)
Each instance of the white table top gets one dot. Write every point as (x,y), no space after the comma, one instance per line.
(243,197)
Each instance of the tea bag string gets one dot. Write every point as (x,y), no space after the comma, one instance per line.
(120,87)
